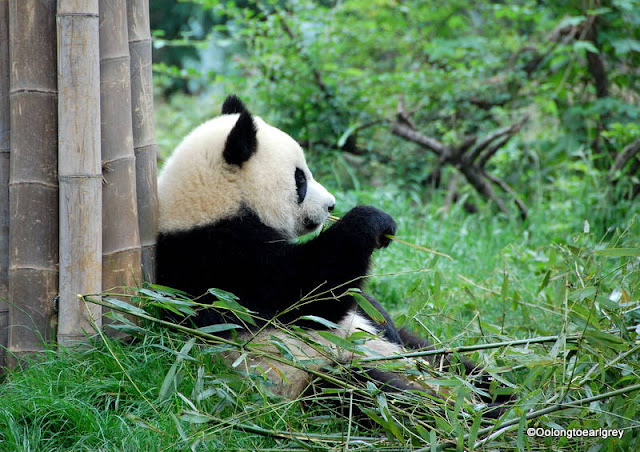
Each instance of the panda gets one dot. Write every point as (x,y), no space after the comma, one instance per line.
(233,196)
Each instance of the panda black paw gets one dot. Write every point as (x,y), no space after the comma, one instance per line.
(372,223)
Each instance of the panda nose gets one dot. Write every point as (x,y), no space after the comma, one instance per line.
(330,208)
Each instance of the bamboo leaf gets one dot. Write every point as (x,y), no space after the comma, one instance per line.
(368,308)
(125,306)
(504,290)
(321,321)
(582,294)
(166,290)
(219,328)
(473,432)
(434,440)
(602,339)
(618,252)
(193,417)
(223,294)
(345,136)
(170,378)
(156,296)
(227,301)
(520,438)
(337,340)
(239,360)
(544,283)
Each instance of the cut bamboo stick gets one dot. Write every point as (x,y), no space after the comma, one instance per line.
(143,131)
(33,185)
(79,170)
(5,145)
(121,255)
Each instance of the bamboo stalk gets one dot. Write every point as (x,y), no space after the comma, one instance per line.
(79,171)
(486,346)
(143,132)
(33,185)
(5,145)
(121,255)
(512,424)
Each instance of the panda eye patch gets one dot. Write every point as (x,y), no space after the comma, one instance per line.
(301,185)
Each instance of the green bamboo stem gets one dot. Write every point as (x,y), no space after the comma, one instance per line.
(489,346)
(510,425)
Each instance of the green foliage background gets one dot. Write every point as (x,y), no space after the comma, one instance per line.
(333,73)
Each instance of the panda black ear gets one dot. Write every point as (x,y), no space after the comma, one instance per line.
(232,104)
(242,141)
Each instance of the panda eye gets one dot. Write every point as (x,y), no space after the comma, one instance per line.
(301,185)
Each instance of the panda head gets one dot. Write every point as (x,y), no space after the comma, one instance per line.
(238,161)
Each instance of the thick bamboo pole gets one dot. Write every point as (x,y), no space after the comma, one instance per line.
(5,144)
(33,185)
(121,255)
(143,134)
(79,170)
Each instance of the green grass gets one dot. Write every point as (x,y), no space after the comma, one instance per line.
(505,281)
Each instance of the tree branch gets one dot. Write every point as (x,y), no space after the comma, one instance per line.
(487,140)
(317,76)
(595,62)
(624,157)
(475,178)
(507,189)
(467,143)
(406,132)
(457,157)
(492,149)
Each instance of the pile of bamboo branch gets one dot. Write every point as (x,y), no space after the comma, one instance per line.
(77,164)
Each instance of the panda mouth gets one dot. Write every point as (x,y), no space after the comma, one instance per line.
(311,225)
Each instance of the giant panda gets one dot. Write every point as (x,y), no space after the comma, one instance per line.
(233,196)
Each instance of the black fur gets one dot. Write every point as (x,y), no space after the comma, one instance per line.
(232,104)
(301,185)
(242,141)
(267,272)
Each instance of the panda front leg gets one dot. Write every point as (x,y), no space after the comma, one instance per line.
(338,259)
(342,253)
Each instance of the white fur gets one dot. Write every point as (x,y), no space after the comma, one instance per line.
(197,187)
(313,352)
